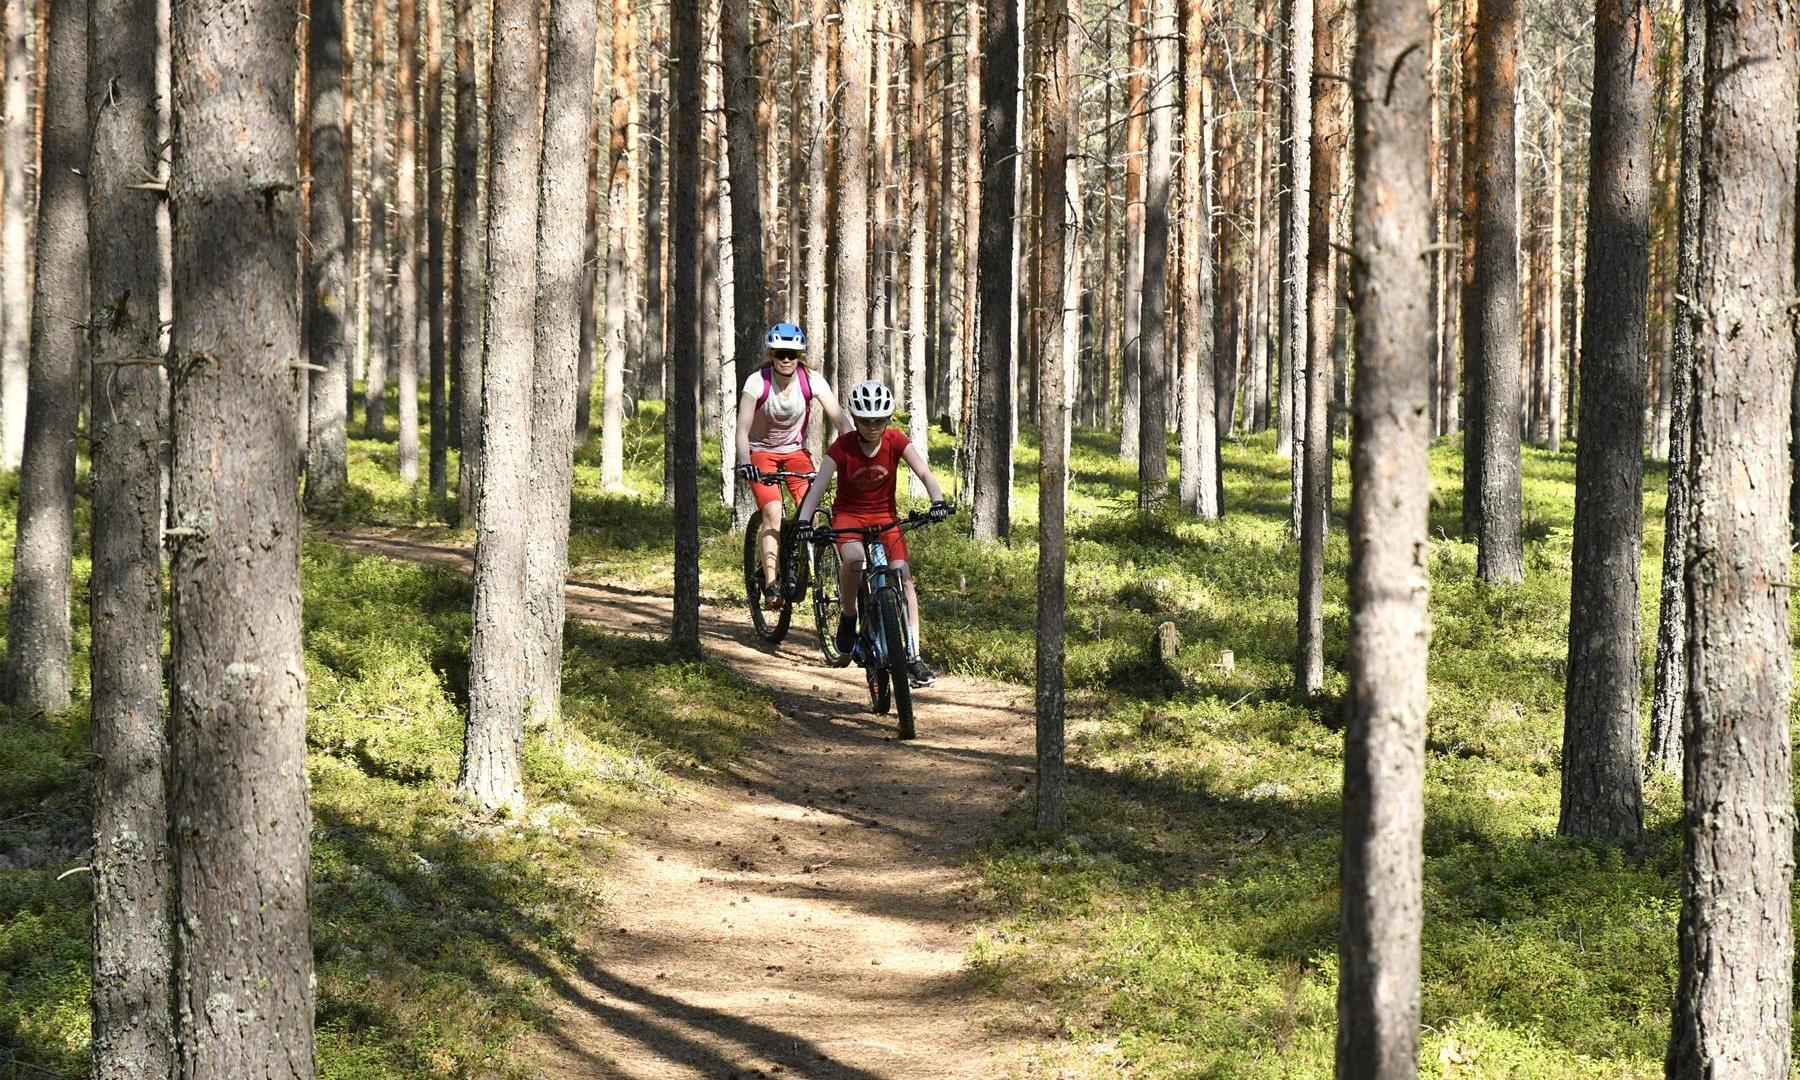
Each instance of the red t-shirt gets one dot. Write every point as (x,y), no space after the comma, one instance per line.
(866,484)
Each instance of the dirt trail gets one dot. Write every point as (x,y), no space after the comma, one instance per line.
(809,913)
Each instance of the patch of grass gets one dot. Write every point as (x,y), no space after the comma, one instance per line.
(437,931)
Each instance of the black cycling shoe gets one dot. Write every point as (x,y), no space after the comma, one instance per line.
(919,672)
(846,635)
(772,599)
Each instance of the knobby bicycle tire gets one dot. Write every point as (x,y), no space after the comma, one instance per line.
(893,628)
(771,626)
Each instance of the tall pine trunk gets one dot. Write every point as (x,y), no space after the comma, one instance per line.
(1381,867)
(1153,326)
(431,317)
(500,683)
(466,335)
(621,176)
(685,86)
(1132,302)
(1198,358)
(132,1027)
(1734,997)
(917,405)
(749,279)
(990,436)
(1672,609)
(15,235)
(1601,788)
(406,221)
(568,111)
(38,629)
(1294,292)
(380,289)
(239,822)
(850,291)
(327,254)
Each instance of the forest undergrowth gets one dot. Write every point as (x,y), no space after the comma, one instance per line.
(437,932)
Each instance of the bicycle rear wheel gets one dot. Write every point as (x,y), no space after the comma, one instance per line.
(893,629)
(771,626)
(827,605)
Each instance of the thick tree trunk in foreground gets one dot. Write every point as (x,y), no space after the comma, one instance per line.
(1602,790)
(1153,356)
(499,674)
(998,253)
(1060,159)
(1329,91)
(850,291)
(238,808)
(1491,300)
(37,642)
(132,1026)
(562,209)
(1734,1000)
(685,84)
(1671,629)
(1381,867)
(749,280)
(327,252)
(15,222)
(471,257)
(621,176)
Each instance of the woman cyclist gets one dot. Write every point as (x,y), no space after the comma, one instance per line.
(868,459)
(773,415)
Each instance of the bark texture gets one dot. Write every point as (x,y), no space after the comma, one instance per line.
(327,255)
(37,642)
(850,275)
(470,255)
(685,85)
(1132,302)
(132,1027)
(991,444)
(1734,997)
(1381,912)
(431,314)
(15,225)
(1672,611)
(1294,329)
(238,805)
(1153,324)
(621,178)
(1602,792)
(406,228)
(499,673)
(1199,437)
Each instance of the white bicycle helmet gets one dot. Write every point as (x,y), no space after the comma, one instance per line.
(869,400)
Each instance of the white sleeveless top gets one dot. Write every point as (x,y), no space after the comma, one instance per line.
(780,423)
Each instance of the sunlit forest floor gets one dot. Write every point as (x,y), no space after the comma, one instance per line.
(1184,926)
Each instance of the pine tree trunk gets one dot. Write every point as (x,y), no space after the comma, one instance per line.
(1380,914)
(1491,300)
(592,264)
(38,629)
(952,349)
(500,683)
(406,220)
(1601,789)
(621,176)
(1198,359)
(1734,999)
(1153,326)
(132,1028)
(1294,333)
(381,288)
(750,293)
(1329,89)
(432,315)
(1060,159)
(1554,351)
(850,290)
(568,111)
(1672,608)
(998,254)
(327,251)
(239,822)
(685,86)
(1137,107)
(467,303)
(918,408)
(881,162)
(971,240)
(15,237)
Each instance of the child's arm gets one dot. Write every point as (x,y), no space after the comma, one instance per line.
(915,457)
(815,492)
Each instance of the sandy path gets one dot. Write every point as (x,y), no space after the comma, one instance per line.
(809,913)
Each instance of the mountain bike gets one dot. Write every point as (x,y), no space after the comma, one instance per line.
(793,571)
(884,643)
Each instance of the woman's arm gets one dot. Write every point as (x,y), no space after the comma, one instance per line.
(915,457)
(747,405)
(815,492)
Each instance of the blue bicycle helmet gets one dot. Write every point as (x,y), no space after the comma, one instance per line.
(785,337)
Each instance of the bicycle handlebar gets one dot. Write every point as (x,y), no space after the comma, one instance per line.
(782,474)
(914,520)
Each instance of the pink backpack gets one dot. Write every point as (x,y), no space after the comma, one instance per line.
(806,394)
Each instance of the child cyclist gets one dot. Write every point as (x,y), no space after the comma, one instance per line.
(868,459)
(773,415)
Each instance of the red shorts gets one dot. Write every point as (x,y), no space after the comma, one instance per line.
(768,461)
(892,539)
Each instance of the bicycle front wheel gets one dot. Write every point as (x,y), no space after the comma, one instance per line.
(827,605)
(771,626)
(892,627)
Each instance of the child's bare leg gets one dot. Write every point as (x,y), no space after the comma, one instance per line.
(850,576)
(912,606)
